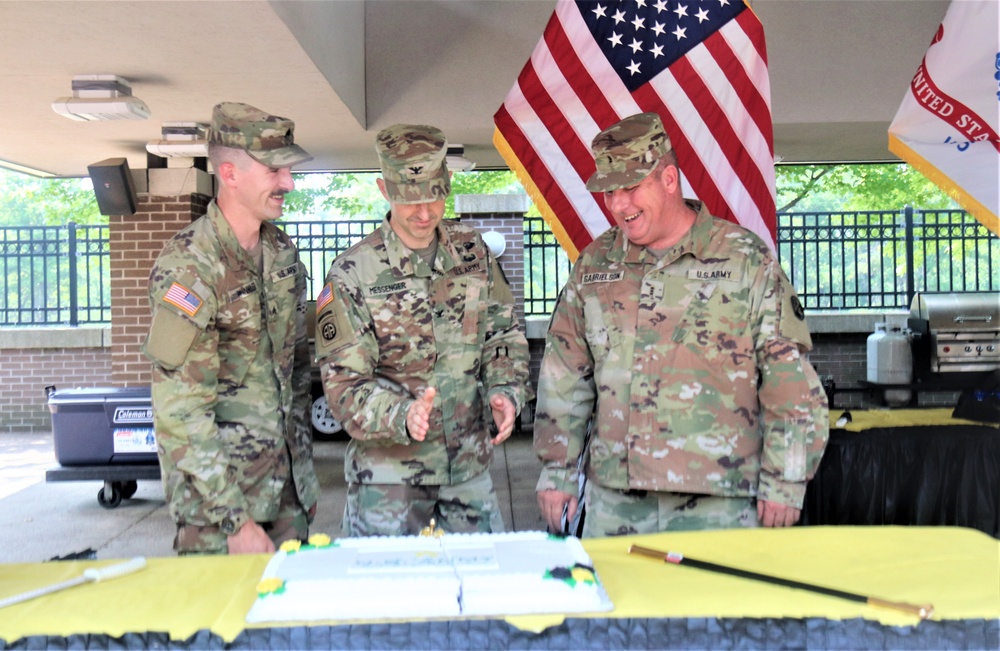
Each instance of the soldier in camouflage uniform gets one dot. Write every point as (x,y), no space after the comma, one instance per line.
(420,351)
(231,385)
(679,345)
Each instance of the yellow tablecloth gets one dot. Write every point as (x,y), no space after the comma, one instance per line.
(955,569)
(862,419)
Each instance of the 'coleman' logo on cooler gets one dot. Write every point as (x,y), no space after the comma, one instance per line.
(133,415)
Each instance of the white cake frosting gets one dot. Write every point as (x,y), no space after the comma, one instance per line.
(518,573)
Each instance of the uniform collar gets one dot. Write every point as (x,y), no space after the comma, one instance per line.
(231,248)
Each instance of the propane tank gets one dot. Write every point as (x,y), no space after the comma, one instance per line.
(873,340)
(895,365)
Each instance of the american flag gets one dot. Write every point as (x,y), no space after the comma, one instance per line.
(324,297)
(700,64)
(183,298)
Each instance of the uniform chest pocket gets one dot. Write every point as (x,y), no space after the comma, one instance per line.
(239,325)
(603,328)
(696,311)
(716,324)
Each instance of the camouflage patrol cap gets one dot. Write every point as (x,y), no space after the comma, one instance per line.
(627,151)
(268,139)
(413,163)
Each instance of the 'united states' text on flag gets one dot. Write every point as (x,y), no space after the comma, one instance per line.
(947,126)
(700,64)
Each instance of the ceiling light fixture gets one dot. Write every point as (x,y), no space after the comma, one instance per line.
(181,140)
(101,97)
(456,160)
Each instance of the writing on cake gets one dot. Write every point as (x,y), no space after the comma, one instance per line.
(528,572)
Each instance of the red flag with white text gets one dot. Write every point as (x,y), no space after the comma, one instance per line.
(948,122)
(701,65)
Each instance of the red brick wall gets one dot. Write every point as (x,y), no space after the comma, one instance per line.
(136,240)
(24,374)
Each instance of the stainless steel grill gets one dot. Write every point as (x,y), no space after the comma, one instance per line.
(955,333)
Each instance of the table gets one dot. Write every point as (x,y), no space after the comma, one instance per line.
(200,602)
(909,467)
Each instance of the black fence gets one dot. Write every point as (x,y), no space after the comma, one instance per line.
(320,242)
(59,275)
(879,260)
(546,267)
(54,275)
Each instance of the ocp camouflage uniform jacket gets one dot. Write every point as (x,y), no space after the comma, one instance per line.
(386,315)
(691,367)
(231,374)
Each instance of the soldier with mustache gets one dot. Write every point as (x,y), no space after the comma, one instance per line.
(231,366)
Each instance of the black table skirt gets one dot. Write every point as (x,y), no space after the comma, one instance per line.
(923,476)
(609,633)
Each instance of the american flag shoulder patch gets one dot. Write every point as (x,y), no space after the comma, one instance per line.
(324,297)
(180,296)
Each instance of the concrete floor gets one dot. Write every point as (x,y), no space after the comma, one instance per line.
(41,520)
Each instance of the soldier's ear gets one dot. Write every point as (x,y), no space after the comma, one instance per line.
(227,173)
(670,175)
(381,186)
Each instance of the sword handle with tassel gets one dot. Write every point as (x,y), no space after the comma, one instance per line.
(922,612)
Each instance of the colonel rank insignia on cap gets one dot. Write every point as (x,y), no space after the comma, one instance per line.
(412,157)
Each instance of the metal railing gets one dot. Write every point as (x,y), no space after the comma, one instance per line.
(863,259)
(836,260)
(546,267)
(320,242)
(879,260)
(54,275)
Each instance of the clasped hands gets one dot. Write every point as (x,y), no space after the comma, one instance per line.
(419,412)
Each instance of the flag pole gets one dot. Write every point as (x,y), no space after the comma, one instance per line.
(922,612)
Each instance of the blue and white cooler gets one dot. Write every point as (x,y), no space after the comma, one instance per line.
(102,426)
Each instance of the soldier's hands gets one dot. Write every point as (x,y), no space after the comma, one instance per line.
(776,514)
(419,414)
(504,414)
(250,539)
(551,503)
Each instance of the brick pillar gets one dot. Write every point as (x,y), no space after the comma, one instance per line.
(169,200)
(503,213)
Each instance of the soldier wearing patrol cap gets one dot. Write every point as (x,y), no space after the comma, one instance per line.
(680,346)
(231,366)
(421,352)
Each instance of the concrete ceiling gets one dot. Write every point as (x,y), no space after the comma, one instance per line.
(344,69)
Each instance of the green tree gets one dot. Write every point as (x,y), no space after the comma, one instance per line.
(876,186)
(345,195)
(355,195)
(31,201)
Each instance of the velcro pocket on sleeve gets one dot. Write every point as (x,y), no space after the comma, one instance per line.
(170,338)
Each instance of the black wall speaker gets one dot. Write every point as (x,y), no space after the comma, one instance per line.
(113,187)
